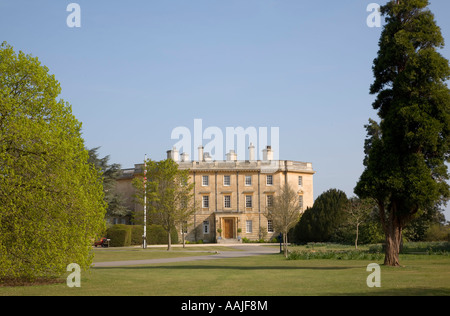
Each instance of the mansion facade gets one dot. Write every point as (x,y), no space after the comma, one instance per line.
(231,196)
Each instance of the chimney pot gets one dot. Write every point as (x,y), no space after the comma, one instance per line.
(251,152)
(200,153)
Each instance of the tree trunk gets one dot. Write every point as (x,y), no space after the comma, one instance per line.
(357,233)
(391,252)
(393,234)
(393,240)
(169,243)
(285,244)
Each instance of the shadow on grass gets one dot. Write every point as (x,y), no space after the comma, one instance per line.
(412,291)
(216,267)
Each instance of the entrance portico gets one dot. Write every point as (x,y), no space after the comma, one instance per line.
(228,224)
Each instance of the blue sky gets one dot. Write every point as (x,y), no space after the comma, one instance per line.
(135,70)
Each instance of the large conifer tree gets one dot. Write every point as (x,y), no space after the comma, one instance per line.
(406,153)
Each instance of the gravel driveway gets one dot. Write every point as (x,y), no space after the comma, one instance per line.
(242,251)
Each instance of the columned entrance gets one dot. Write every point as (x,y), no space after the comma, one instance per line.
(228,224)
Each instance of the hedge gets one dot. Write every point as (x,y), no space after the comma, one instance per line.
(118,237)
(128,235)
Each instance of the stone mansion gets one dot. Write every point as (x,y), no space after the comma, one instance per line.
(232,196)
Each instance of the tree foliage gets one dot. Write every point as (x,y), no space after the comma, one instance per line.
(358,212)
(284,212)
(406,152)
(51,199)
(109,174)
(169,194)
(320,222)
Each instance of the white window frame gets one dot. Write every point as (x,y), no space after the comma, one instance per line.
(269,197)
(248,180)
(270,226)
(249,201)
(249,226)
(205,201)
(205,181)
(300,201)
(225,202)
(227,183)
(300,181)
(269,180)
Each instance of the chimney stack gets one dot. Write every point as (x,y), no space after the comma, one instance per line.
(207,157)
(251,152)
(268,153)
(173,154)
(231,156)
(200,153)
(184,157)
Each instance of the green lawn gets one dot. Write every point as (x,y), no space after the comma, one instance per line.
(260,275)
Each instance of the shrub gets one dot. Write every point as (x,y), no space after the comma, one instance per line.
(137,232)
(437,232)
(132,235)
(430,248)
(156,235)
(336,255)
(200,241)
(119,237)
(377,248)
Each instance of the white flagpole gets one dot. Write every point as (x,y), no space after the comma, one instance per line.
(144,244)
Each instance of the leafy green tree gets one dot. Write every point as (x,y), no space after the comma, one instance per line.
(422,221)
(109,174)
(371,231)
(284,212)
(406,152)
(51,198)
(169,195)
(358,212)
(438,232)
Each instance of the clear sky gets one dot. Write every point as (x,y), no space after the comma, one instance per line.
(135,70)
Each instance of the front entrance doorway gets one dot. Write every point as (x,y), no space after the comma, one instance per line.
(228,228)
